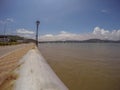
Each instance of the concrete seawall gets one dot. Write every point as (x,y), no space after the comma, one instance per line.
(35,74)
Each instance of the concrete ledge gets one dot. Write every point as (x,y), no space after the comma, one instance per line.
(36,74)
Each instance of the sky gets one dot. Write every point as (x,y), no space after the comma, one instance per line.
(61,19)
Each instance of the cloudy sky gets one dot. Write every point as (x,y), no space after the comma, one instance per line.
(61,19)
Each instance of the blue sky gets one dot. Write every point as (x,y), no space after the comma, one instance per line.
(73,16)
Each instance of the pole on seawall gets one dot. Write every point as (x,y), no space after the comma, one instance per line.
(37,24)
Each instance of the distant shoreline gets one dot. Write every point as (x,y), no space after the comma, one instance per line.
(84,41)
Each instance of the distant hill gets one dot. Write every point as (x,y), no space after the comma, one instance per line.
(83,41)
(100,41)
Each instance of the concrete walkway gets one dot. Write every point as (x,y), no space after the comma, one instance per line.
(36,74)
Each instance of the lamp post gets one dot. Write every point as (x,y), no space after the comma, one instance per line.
(37,23)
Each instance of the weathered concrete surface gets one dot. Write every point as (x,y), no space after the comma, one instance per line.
(36,74)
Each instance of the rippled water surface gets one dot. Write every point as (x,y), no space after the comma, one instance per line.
(85,66)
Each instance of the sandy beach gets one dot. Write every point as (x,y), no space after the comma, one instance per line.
(8,63)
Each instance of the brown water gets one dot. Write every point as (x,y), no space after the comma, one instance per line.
(85,66)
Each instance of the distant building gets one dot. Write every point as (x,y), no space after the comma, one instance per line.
(15,38)
(4,38)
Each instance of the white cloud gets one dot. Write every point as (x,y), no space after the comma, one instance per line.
(104,11)
(48,35)
(7,20)
(25,33)
(98,33)
(106,34)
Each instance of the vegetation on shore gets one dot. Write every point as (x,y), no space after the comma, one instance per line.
(13,40)
(8,43)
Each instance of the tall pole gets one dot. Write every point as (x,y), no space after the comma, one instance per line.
(5,32)
(37,23)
